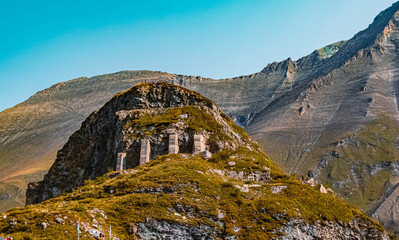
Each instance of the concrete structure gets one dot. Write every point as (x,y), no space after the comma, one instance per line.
(173,143)
(145,151)
(121,161)
(199,143)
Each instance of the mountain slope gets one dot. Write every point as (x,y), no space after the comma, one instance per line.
(343,125)
(190,198)
(237,193)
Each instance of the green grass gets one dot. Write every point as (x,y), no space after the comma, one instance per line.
(198,120)
(192,184)
(329,50)
(377,143)
(195,119)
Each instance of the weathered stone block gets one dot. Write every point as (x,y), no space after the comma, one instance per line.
(121,162)
(145,151)
(199,143)
(173,143)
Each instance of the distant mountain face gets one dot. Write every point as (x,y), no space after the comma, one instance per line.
(202,178)
(332,114)
(341,122)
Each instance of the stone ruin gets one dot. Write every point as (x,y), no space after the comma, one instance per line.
(173,148)
(121,162)
(173,143)
(145,151)
(199,144)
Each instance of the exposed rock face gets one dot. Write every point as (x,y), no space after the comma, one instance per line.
(356,229)
(122,124)
(295,229)
(164,230)
(387,211)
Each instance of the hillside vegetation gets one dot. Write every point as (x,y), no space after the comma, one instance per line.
(185,191)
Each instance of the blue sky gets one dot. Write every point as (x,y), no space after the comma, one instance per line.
(45,42)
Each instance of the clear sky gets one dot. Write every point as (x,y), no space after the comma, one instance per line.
(44,42)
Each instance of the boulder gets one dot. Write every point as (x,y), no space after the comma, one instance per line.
(206,154)
(59,220)
(12,223)
(43,225)
(323,189)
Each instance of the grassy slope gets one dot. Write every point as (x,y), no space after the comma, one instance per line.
(193,184)
(144,123)
(377,143)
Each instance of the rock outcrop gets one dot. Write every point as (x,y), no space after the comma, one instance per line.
(124,123)
(297,229)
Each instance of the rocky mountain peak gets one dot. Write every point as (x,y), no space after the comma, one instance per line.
(378,31)
(389,14)
(286,65)
(138,125)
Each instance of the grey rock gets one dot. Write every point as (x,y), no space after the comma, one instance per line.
(94,221)
(277,189)
(206,154)
(236,229)
(323,189)
(59,220)
(153,229)
(12,223)
(297,229)
(132,230)
(43,225)
(387,211)
(256,176)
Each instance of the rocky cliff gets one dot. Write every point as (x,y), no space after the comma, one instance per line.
(147,111)
(228,189)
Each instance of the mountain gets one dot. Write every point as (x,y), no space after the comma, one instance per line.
(332,115)
(43,123)
(202,178)
(136,114)
(341,123)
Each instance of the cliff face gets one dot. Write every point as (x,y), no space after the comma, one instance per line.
(221,187)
